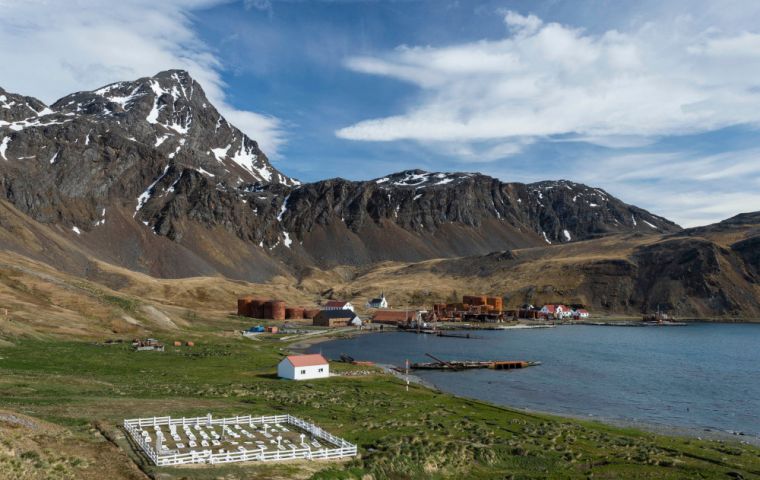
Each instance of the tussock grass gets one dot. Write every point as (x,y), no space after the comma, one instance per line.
(419,434)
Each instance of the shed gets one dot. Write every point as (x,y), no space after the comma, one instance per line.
(303,367)
(395,317)
(336,318)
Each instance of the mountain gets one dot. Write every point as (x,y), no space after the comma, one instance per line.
(416,215)
(147,177)
(89,150)
(150,176)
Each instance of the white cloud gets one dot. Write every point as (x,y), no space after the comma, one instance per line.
(53,48)
(689,189)
(479,152)
(545,79)
(522,24)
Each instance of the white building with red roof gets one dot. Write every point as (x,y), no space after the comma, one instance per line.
(556,311)
(580,313)
(303,367)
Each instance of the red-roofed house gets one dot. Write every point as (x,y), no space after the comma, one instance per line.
(338,305)
(303,367)
(580,313)
(556,311)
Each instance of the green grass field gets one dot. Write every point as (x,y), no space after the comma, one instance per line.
(85,388)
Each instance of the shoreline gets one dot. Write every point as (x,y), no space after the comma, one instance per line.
(646,427)
(300,346)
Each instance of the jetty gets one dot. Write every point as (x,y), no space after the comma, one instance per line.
(438,332)
(634,324)
(470,364)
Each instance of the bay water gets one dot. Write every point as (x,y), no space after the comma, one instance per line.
(701,377)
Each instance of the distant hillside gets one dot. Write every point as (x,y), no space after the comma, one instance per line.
(705,272)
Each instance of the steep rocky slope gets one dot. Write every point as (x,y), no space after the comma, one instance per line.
(91,150)
(414,215)
(148,175)
(703,272)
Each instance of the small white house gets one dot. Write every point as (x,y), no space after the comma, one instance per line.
(379,302)
(338,305)
(580,313)
(556,311)
(303,367)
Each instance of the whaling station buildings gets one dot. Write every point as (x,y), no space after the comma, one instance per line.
(340,313)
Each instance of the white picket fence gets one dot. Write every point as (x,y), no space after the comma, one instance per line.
(134,427)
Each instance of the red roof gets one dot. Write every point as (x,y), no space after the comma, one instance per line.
(306,360)
(397,316)
(582,311)
(550,308)
(335,303)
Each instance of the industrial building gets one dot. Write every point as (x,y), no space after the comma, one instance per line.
(472,307)
(337,318)
(338,305)
(395,317)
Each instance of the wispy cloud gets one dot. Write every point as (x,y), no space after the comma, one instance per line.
(53,48)
(692,189)
(544,79)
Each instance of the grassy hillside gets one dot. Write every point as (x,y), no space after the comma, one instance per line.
(61,404)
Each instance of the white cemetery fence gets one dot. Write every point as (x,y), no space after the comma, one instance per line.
(167,457)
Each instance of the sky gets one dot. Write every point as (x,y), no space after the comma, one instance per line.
(658,102)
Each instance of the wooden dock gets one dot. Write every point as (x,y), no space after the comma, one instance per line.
(470,364)
(439,333)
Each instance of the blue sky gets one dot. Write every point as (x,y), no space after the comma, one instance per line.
(655,101)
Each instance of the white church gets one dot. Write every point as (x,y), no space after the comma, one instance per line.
(379,302)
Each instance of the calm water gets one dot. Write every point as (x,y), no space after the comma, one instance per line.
(700,376)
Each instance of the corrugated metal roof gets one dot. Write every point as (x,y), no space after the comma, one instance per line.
(337,314)
(335,303)
(394,316)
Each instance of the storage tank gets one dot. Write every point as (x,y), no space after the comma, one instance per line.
(294,313)
(266,310)
(257,308)
(243,305)
(278,310)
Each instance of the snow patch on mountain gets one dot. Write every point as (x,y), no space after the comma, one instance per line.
(283,209)
(145,196)
(158,91)
(4,147)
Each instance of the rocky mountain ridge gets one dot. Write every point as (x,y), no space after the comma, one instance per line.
(132,165)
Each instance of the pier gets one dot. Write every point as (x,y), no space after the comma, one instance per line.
(470,364)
